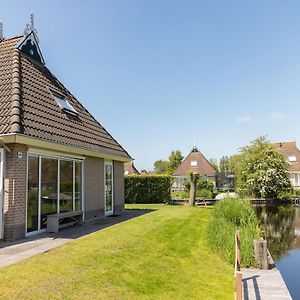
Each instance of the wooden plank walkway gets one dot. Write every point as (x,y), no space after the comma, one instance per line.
(264,285)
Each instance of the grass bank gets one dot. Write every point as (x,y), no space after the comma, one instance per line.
(228,216)
(160,255)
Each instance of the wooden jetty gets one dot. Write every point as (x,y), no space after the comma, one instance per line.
(264,285)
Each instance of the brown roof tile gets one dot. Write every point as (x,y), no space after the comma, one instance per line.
(39,115)
(289,150)
(130,169)
(201,165)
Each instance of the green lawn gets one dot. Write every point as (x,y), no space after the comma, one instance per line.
(160,255)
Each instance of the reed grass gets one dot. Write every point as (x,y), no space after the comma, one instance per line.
(229,216)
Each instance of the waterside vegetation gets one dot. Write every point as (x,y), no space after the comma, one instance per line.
(227,217)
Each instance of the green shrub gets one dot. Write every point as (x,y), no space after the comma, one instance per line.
(204,189)
(286,195)
(230,215)
(148,189)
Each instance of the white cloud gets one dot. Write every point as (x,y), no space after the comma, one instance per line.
(243,119)
(276,115)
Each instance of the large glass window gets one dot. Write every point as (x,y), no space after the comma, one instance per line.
(33,194)
(54,185)
(48,189)
(78,188)
(108,187)
(66,186)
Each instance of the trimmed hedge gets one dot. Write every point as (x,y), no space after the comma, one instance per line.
(148,188)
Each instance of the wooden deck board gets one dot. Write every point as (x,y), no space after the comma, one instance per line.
(264,285)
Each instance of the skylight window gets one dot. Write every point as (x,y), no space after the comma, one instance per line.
(292,158)
(64,104)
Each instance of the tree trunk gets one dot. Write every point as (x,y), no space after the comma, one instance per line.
(192,193)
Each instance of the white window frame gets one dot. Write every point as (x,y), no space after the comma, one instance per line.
(110,212)
(194,163)
(58,157)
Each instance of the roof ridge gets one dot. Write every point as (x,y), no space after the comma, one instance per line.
(16,93)
(11,38)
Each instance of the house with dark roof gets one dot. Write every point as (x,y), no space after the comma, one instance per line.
(130,169)
(292,155)
(56,159)
(197,163)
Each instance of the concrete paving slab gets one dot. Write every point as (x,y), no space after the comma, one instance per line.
(14,252)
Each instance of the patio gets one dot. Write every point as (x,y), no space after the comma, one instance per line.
(13,252)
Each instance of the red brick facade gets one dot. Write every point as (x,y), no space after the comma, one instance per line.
(15,189)
(118,187)
(14,198)
(94,187)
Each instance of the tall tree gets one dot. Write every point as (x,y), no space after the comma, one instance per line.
(262,170)
(161,166)
(214,163)
(224,164)
(175,159)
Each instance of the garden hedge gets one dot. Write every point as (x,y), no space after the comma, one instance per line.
(148,188)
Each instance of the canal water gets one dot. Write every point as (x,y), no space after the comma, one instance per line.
(281,225)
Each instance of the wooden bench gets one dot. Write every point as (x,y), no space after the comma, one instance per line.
(54,220)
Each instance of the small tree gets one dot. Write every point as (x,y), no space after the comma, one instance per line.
(175,160)
(214,164)
(262,170)
(161,166)
(193,179)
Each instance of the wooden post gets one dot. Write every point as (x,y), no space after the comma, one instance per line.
(261,254)
(238,250)
(238,277)
(238,286)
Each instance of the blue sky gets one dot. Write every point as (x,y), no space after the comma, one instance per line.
(159,73)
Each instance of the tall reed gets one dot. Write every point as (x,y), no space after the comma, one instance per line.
(228,216)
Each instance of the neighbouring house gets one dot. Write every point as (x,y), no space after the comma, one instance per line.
(197,163)
(130,169)
(55,157)
(292,155)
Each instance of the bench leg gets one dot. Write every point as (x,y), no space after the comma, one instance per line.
(52,225)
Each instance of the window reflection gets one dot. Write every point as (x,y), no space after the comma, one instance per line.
(33,192)
(108,187)
(66,186)
(69,181)
(78,186)
(48,189)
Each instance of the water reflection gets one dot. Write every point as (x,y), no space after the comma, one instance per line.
(280,225)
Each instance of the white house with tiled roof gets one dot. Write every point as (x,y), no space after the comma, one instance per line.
(57,162)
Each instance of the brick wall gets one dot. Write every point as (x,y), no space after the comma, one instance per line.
(14,200)
(118,186)
(94,187)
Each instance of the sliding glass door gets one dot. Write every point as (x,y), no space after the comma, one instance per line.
(108,177)
(54,186)
(48,188)
(33,194)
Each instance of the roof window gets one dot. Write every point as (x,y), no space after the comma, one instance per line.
(194,163)
(64,104)
(292,158)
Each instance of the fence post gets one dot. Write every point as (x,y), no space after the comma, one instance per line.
(238,276)
(238,250)
(261,253)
